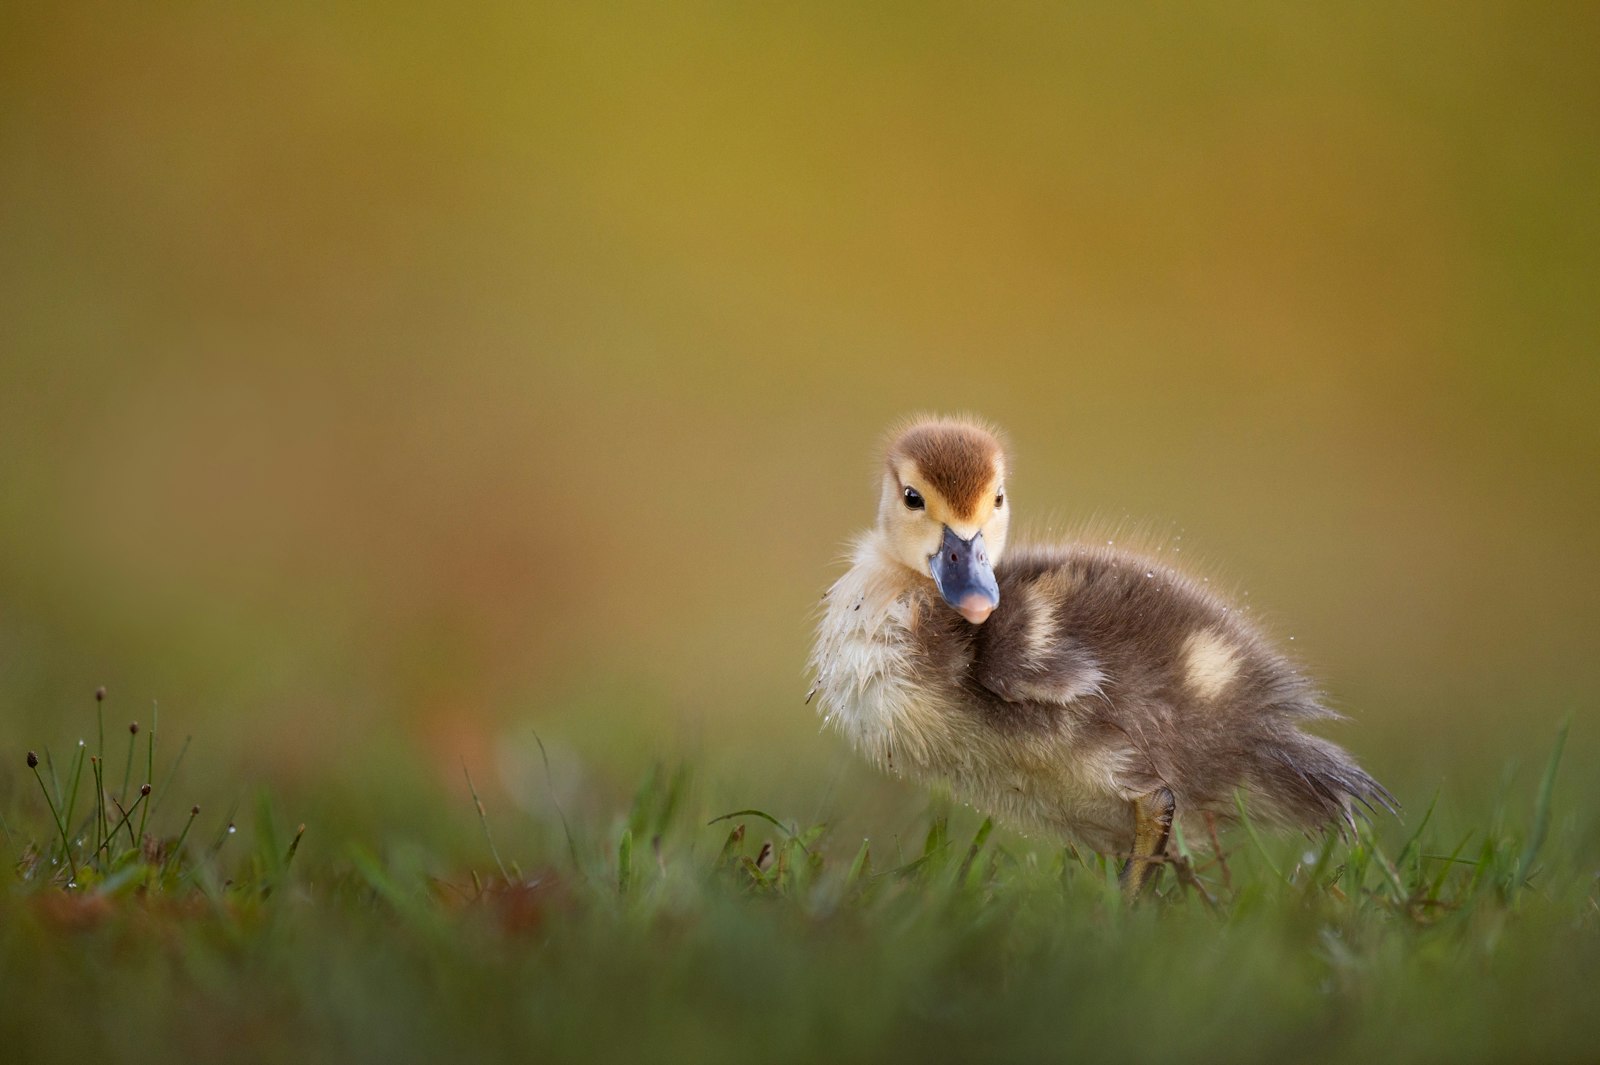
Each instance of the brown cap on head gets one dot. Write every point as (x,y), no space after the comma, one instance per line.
(959,459)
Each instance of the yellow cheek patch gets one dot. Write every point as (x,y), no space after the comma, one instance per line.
(1211,663)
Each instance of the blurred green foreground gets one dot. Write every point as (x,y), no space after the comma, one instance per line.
(663,933)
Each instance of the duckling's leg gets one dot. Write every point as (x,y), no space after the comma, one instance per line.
(1152,822)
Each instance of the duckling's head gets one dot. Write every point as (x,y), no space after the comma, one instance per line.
(943,512)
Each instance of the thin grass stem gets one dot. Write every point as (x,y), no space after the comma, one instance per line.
(229,828)
(172,771)
(177,848)
(150,761)
(483,819)
(294,845)
(1541,810)
(785,829)
(66,847)
(625,863)
(566,829)
(96,764)
(1250,830)
(55,783)
(77,775)
(126,814)
(127,772)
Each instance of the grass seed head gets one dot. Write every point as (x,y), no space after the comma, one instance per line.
(33,760)
(144,789)
(133,728)
(100,694)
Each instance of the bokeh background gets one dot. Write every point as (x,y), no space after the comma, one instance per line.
(382,383)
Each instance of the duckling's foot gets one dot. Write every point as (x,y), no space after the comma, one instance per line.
(1152,823)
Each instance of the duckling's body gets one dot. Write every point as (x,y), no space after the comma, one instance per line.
(1083,690)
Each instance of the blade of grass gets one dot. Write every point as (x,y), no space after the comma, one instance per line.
(483,819)
(1390,873)
(862,865)
(566,829)
(126,820)
(229,828)
(937,840)
(677,785)
(177,848)
(978,840)
(625,862)
(1184,869)
(150,761)
(280,873)
(409,904)
(122,878)
(1416,835)
(55,784)
(1329,842)
(96,764)
(643,798)
(66,848)
(1481,867)
(199,873)
(758,879)
(268,858)
(1250,830)
(77,776)
(785,829)
(127,769)
(1541,811)
(172,771)
(730,846)
(1445,862)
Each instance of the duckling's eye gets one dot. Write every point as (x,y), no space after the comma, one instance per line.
(914,499)
(1000,499)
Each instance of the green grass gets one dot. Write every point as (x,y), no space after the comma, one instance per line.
(679,926)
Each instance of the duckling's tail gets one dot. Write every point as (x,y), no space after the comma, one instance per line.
(1315,784)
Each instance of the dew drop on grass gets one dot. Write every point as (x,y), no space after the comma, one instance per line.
(1308,857)
(1148,574)
(232,829)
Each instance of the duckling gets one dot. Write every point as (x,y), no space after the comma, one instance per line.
(1068,688)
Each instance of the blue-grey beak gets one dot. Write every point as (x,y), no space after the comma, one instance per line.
(965,577)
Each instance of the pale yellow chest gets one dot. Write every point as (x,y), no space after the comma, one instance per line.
(864,666)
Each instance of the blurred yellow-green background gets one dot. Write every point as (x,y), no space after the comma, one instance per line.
(381,382)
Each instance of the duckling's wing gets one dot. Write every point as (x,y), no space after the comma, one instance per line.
(1025,655)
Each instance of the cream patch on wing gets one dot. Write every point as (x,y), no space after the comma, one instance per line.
(1057,679)
(1039,628)
(1211,663)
